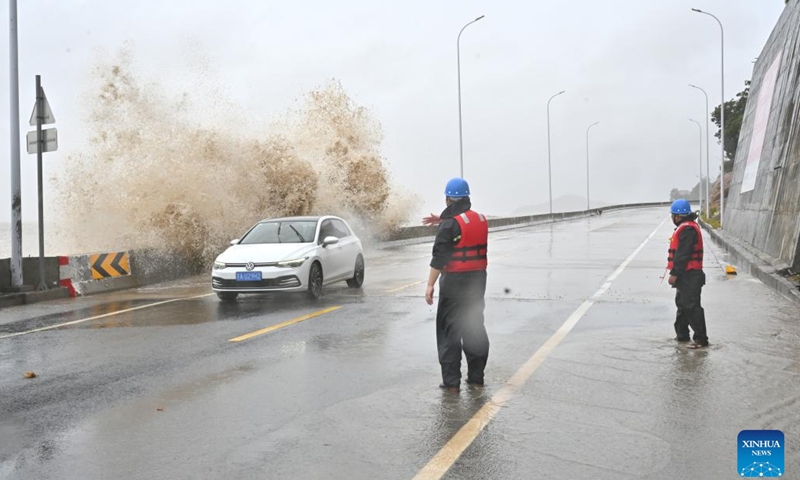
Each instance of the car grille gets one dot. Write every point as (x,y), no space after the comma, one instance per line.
(255,264)
(280,282)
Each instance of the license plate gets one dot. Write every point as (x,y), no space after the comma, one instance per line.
(248,276)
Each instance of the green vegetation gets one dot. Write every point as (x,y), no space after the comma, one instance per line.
(734,114)
(714,220)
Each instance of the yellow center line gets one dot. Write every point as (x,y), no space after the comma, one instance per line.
(284,324)
(105,315)
(438,466)
(398,289)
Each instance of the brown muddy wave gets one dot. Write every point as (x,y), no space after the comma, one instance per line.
(154,177)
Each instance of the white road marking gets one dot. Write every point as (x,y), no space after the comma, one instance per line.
(105,315)
(438,466)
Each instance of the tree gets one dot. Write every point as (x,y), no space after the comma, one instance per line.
(694,194)
(734,114)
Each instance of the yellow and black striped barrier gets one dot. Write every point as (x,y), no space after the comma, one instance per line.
(109,265)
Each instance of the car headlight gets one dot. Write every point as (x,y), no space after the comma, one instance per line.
(219,265)
(292,263)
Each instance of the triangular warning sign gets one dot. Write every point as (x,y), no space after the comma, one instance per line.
(48,116)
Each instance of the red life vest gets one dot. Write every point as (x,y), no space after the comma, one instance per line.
(469,253)
(696,261)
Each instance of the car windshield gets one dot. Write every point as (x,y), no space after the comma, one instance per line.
(281,232)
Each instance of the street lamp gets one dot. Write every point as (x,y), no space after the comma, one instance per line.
(13,140)
(460,134)
(700,185)
(722,119)
(708,168)
(549,166)
(588,203)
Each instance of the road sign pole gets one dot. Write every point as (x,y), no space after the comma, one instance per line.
(40,148)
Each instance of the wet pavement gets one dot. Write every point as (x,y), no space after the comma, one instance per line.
(160,392)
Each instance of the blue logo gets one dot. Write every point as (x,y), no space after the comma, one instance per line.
(761,453)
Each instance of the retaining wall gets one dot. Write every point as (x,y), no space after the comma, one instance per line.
(762,208)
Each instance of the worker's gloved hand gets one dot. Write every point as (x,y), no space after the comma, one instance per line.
(673,279)
(431,220)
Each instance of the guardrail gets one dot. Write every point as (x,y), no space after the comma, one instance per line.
(409,233)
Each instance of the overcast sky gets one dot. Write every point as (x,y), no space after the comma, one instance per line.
(624,63)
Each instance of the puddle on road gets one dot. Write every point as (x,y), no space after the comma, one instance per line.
(209,309)
(64,317)
(188,311)
(187,391)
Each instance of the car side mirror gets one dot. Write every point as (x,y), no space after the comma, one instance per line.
(235,242)
(330,241)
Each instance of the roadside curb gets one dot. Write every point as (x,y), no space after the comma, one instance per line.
(27,298)
(757,264)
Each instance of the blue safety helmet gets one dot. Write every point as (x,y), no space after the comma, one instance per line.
(457,188)
(681,207)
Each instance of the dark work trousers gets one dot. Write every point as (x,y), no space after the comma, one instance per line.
(690,311)
(459,326)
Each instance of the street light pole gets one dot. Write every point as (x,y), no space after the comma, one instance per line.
(460,131)
(708,167)
(722,119)
(700,185)
(549,165)
(16,189)
(588,203)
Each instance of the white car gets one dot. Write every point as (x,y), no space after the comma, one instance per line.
(296,254)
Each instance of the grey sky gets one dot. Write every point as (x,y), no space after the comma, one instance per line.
(624,63)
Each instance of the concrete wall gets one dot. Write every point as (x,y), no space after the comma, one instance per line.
(155,266)
(419,232)
(30,271)
(768,217)
(5,273)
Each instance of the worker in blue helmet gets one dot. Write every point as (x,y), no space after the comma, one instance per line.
(459,265)
(685,265)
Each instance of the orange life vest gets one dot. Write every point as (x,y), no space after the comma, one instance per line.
(469,253)
(696,261)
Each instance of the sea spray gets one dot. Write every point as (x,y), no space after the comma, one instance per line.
(153,177)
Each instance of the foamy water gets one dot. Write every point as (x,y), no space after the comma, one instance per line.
(189,187)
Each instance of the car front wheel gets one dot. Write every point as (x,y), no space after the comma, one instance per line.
(358,274)
(315,281)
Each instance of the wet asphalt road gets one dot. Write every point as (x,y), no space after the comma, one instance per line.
(160,392)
